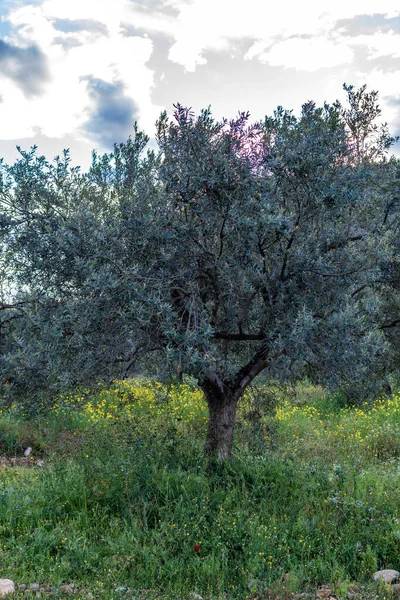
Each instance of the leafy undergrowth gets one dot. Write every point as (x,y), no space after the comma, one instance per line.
(120,501)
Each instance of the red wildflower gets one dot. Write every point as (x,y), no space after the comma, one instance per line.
(196,547)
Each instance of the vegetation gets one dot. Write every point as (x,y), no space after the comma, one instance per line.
(235,250)
(140,301)
(123,503)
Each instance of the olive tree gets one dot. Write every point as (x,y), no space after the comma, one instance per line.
(235,250)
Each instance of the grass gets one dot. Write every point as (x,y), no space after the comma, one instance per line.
(124,495)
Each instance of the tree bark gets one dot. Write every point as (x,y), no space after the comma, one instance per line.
(222,398)
(221,423)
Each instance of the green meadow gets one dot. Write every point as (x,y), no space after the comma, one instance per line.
(117,498)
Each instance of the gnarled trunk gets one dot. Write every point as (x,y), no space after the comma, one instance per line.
(222,414)
(222,398)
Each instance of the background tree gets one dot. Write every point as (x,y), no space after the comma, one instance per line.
(237,249)
(370,139)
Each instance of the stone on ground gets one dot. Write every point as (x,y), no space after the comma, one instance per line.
(6,587)
(66,589)
(324,592)
(387,575)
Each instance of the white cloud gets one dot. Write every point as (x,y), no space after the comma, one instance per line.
(202,25)
(298,35)
(31,23)
(101,10)
(379,44)
(206,24)
(388,86)
(307,54)
(65,104)
(344,9)
(12,110)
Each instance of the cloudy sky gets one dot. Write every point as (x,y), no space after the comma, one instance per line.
(78,73)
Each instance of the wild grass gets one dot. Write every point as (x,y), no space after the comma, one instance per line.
(125,503)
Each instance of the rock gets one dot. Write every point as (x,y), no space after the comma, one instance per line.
(22,587)
(387,575)
(35,587)
(396,590)
(66,589)
(27,452)
(324,592)
(6,587)
(195,596)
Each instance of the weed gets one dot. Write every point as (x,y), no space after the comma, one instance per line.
(126,500)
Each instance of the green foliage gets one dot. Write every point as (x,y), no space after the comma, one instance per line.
(235,249)
(16,435)
(124,506)
(370,140)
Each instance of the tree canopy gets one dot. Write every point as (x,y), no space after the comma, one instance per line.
(235,249)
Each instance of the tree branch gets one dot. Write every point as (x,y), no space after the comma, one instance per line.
(391,324)
(221,233)
(247,373)
(239,337)
(2,323)
(4,306)
(342,243)
(366,285)
(213,381)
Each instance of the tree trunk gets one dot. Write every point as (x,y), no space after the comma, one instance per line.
(179,373)
(222,414)
(222,398)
